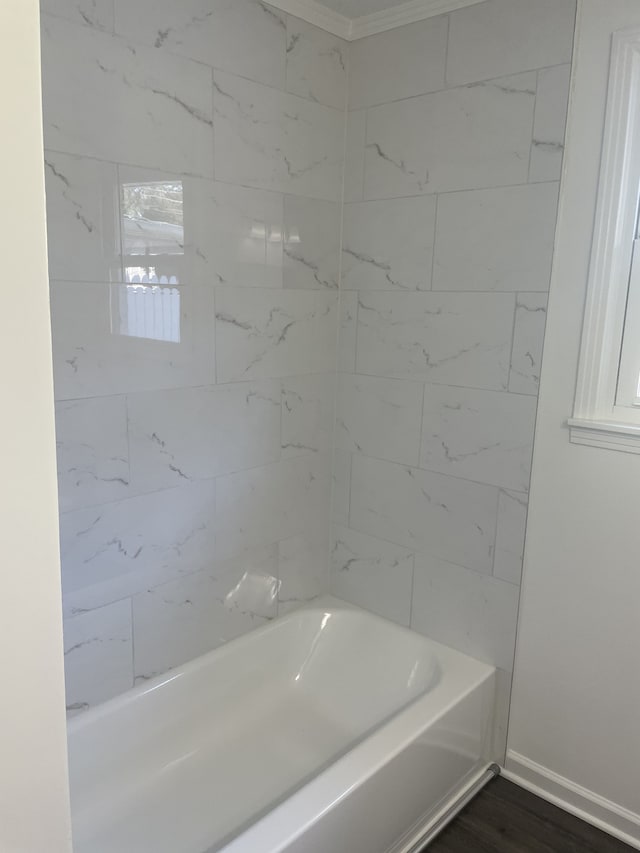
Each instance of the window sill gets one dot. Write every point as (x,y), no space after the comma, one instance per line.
(612,435)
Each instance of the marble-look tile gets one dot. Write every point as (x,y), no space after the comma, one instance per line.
(308,404)
(180,620)
(93,451)
(486,436)
(388,245)
(98,655)
(269,333)
(276,141)
(528,339)
(398,148)
(303,567)
(121,548)
(105,98)
(473,613)
(347,332)
(185,434)
(311,243)
(512,521)
(316,64)
(341,486)
(465,138)
(449,338)
(449,518)
(497,239)
(270,503)
(82,219)
(245,37)
(506,36)
(235,233)
(379,417)
(354,155)
(372,574)
(552,103)
(93,13)
(96,350)
(398,63)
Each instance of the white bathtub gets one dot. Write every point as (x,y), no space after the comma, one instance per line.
(328,730)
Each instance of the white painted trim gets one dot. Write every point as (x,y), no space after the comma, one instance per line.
(613,239)
(317,13)
(611,435)
(406,13)
(573,798)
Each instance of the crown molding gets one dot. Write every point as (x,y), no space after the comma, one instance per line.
(317,13)
(405,13)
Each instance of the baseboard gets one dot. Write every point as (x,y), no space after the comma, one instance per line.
(573,798)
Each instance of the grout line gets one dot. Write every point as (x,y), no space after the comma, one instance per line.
(469,85)
(533,126)
(349,487)
(133,646)
(200,386)
(281,428)
(214,329)
(364,154)
(213,123)
(495,532)
(446,50)
(339,330)
(357,333)
(193,483)
(424,400)
(231,384)
(415,552)
(369,291)
(413,583)
(443,192)
(261,188)
(447,474)
(513,340)
(128,429)
(435,239)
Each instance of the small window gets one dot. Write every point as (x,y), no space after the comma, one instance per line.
(607,404)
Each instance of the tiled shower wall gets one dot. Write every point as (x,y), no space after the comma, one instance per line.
(455,142)
(201,144)
(194,157)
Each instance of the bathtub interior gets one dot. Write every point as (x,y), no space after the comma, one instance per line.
(201,754)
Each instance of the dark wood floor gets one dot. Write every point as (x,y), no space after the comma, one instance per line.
(504,818)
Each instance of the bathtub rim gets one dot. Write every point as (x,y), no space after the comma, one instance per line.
(324,602)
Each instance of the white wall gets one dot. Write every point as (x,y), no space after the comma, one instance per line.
(34,814)
(576,701)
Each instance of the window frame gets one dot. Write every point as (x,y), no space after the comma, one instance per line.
(598,419)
